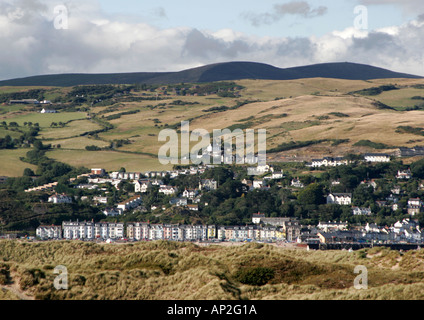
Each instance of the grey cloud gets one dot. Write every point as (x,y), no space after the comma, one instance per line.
(299,8)
(200,45)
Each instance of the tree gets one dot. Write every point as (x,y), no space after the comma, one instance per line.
(28,172)
(312,194)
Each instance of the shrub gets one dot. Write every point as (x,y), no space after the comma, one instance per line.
(258,276)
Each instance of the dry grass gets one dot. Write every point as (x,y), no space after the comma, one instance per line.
(177,271)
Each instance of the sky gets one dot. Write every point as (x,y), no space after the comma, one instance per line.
(104,36)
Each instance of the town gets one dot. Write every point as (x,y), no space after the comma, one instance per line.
(362,213)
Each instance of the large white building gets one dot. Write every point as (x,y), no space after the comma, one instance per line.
(339,198)
(49,232)
(91,230)
(377,157)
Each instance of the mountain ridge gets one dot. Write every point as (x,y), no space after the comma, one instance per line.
(224,71)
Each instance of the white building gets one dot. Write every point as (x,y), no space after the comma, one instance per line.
(168,190)
(357,211)
(339,198)
(49,232)
(91,230)
(142,185)
(130,203)
(60,198)
(377,157)
(48,111)
(328,162)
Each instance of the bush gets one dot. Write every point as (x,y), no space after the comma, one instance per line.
(258,276)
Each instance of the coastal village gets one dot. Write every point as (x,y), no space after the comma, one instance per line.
(262,227)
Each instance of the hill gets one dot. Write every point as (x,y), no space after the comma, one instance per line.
(216,72)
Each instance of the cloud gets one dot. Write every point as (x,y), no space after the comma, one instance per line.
(299,8)
(409,6)
(96,43)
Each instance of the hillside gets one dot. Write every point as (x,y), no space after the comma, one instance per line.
(216,72)
(184,271)
(317,117)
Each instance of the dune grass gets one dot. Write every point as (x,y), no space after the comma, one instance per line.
(178,271)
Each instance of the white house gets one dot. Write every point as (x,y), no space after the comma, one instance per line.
(112,212)
(327,162)
(99,199)
(415,206)
(277,175)
(168,190)
(377,157)
(339,198)
(49,232)
(190,193)
(404,174)
(332,226)
(130,203)
(357,211)
(48,111)
(142,185)
(60,198)
(297,183)
(208,184)
(257,217)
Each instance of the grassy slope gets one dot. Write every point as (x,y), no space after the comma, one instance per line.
(11,166)
(162,270)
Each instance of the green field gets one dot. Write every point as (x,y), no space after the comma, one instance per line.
(45,119)
(10,165)
(72,129)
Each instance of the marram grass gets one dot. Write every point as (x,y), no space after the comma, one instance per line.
(176,271)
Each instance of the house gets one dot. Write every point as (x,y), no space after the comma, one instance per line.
(415,206)
(130,203)
(370,183)
(48,111)
(257,217)
(208,184)
(395,190)
(377,157)
(332,226)
(297,183)
(112,212)
(190,193)
(179,202)
(49,232)
(60,198)
(99,199)
(193,207)
(258,184)
(327,162)
(339,198)
(277,175)
(337,237)
(404,174)
(141,186)
(98,172)
(168,190)
(357,211)
(410,152)
(24,101)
